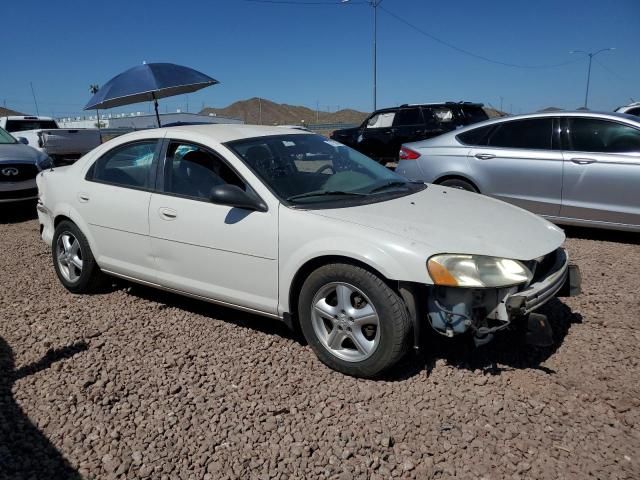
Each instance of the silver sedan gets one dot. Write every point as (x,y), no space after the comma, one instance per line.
(574,168)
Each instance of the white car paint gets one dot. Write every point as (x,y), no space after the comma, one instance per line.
(251,262)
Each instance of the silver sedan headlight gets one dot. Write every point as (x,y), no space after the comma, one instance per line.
(455,270)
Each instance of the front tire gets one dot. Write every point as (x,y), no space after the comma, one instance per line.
(73,260)
(354,322)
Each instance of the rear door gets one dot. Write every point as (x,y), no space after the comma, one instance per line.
(115,202)
(521,163)
(601,171)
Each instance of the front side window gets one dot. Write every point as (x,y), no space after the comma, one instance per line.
(381,120)
(309,169)
(408,116)
(533,134)
(193,171)
(595,135)
(127,166)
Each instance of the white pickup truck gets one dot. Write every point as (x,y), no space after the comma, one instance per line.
(63,145)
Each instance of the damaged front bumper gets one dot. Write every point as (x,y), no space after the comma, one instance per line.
(563,280)
(452,310)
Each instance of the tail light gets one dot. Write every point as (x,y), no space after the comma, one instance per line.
(408,154)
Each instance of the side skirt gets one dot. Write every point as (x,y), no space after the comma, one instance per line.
(192,295)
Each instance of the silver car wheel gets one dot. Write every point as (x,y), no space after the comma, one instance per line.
(69,256)
(345,321)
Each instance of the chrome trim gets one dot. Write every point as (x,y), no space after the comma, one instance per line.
(539,293)
(193,295)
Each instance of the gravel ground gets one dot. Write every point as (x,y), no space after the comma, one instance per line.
(135,383)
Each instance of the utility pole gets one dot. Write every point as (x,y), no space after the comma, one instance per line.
(501,104)
(259,111)
(317,111)
(34,98)
(374,4)
(590,55)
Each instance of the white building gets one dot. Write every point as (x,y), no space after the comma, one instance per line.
(141,121)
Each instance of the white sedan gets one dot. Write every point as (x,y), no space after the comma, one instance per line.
(290,225)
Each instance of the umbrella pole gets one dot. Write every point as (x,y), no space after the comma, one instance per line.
(155,104)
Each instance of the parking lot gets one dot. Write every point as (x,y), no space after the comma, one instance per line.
(137,383)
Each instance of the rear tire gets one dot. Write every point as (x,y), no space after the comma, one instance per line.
(73,260)
(352,320)
(459,184)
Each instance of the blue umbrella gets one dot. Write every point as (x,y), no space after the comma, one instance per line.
(149,82)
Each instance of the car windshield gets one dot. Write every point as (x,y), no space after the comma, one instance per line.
(312,170)
(5,137)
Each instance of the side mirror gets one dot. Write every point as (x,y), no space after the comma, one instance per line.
(23,140)
(236,197)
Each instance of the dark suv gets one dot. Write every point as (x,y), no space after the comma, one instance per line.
(384,131)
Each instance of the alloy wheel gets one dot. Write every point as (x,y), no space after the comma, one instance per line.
(69,256)
(345,321)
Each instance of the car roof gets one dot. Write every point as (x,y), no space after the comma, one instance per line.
(218,132)
(430,104)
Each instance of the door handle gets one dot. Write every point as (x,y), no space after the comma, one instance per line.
(485,156)
(583,161)
(83,197)
(167,213)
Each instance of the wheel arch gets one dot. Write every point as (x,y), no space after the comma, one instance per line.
(457,176)
(313,264)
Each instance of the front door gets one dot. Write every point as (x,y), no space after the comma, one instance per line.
(601,171)
(214,251)
(375,139)
(521,165)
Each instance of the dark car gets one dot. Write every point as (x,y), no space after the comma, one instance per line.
(384,131)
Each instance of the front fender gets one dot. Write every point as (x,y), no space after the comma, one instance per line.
(388,254)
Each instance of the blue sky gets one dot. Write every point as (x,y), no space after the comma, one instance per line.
(311,54)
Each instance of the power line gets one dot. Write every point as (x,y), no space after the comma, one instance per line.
(305,3)
(467,52)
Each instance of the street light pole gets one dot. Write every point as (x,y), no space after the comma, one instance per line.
(590,55)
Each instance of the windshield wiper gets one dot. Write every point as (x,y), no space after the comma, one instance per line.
(320,193)
(392,184)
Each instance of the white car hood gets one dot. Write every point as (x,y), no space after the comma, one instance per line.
(455,221)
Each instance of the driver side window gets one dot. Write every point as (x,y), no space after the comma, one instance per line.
(193,171)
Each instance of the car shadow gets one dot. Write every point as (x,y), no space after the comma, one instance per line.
(602,235)
(508,350)
(17,212)
(269,326)
(25,452)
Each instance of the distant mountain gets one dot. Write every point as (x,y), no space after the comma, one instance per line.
(551,109)
(283,114)
(5,112)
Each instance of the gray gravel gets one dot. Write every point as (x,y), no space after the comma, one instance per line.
(135,383)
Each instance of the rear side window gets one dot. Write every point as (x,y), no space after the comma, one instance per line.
(531,134)
(408,116)
(595,135)
(126,166)
(634,111)
(477,136)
